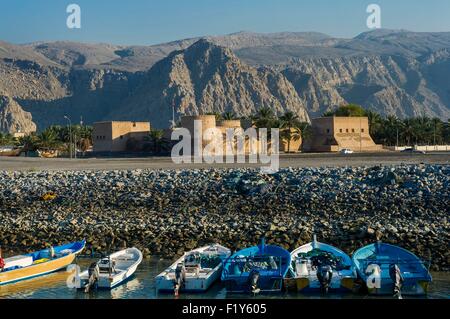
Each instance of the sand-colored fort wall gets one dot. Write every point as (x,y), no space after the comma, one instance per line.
(112,136)
(331,134)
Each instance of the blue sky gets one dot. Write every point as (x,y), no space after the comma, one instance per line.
(151,21)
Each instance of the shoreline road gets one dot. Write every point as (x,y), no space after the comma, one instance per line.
(289,160)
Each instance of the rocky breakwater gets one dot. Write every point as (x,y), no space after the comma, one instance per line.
(167,212)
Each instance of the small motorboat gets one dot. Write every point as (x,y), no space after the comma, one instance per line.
(110,271)
(391,270)
(320,267)
(10,151)
(256,269)
(195,271)
(47,153)
(26,266)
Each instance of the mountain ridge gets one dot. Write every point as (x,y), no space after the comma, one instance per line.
(393,72)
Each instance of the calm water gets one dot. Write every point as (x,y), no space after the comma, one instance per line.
(141,286)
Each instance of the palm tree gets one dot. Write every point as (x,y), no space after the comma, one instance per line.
(84,137)
(29,143)
(265,112)
(265,118)
(306,130)
(216,114)
(390,130)
(289,123)
(446,132)
(375,122)
(48,139)
(6,139)
(228,116)
(423,130)
(157,140)
(408,131)
(438,127)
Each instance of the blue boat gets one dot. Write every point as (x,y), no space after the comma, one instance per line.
(256,269)
(39,263)
(391,270)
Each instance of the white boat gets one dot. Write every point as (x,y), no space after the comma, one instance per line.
(10,151)
(110,271)
(195,271)
(320,267)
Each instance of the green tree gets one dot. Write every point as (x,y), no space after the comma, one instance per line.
(265,118)
(289,123)
(446,132)
(29,143)
(409,131)
(216,114)
(306,130)
(228,116)
(6,139)
(347,110)
(49,139)
(375,123)
(390,131)
(438,131)
(158,143)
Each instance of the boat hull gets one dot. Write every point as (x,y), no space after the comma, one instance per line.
(48,154)
(194,283)
(110,282)
(409,288)
(379,257)
(107,283)
(265,285)
(270,264)
(38,269)
(305,285)
(35,270)
(13,153)
(305,280)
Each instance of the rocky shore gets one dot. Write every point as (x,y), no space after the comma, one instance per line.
(167,212)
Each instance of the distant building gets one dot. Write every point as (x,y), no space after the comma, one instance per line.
(18,134)
(332,134)
(116,136)
(198,136)
(219,131)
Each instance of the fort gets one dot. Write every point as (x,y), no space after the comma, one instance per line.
(329,134)
(332,134)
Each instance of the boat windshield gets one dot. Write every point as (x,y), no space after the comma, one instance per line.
(202,260)
(244,264)
(319,257)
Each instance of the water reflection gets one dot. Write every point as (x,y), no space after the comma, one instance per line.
(141,286)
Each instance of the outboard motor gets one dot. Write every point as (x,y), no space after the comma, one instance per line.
(52,252)
(253,279)
(397,279)
(324,275)
(180,276)
(93,272)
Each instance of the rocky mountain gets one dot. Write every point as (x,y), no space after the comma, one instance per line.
(397,85)
(392,72)
(208,78)
(13,118)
